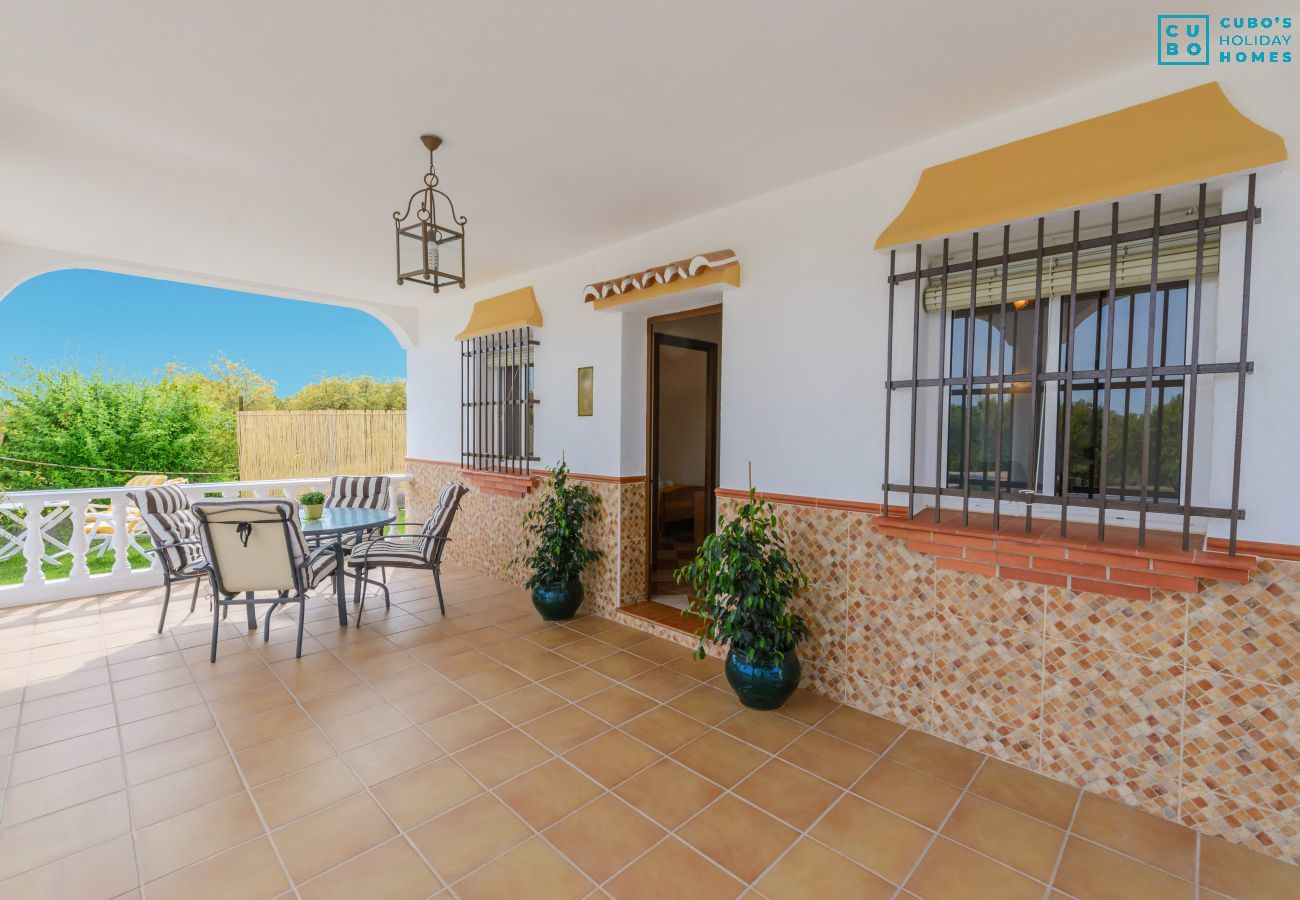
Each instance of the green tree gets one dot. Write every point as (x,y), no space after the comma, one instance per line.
(364,392)
(68,418)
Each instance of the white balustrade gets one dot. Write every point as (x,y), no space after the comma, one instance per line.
(28,520)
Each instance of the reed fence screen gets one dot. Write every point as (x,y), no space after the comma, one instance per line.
(312,443)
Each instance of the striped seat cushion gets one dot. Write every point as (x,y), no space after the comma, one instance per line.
(166,513)
(398,550)
(321,564)
(358,492)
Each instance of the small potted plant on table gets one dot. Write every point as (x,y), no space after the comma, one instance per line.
(313,504)
(744,579)
(557,552)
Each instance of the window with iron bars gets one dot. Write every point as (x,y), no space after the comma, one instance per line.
(497,402)
(1101,418)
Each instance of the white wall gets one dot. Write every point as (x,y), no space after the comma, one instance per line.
(803,366)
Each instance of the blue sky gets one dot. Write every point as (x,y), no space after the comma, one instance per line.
(135,326)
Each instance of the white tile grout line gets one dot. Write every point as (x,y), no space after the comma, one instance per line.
(1065,842)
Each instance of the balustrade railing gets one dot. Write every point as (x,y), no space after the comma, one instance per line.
(57,529)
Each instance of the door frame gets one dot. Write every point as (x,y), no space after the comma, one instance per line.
(652,419)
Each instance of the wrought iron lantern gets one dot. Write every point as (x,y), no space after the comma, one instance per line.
(431,247)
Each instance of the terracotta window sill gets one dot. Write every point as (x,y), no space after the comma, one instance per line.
(1116,566)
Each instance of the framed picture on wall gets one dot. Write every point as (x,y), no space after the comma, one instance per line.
(586,387)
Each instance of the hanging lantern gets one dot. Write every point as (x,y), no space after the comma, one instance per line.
(430,241)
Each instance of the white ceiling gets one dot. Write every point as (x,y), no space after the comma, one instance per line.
(270,141)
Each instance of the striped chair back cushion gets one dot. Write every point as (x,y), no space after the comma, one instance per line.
(439,522)
(166,513)
(358,492)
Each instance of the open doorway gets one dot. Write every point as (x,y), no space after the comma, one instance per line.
(682,443)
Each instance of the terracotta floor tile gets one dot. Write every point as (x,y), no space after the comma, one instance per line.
(260,700)
(885,843)
(811,870)
(1027,792)
(621,665)
(422,706)
(741,838)
(408,681)
(264,762)
(540,664)
(668,793)
(68,701)
(182,791)
(837,761)
(586,650)
(663,684)
(603,836)
(59,757)
(461,840)
(808,707)
(908,792)
(492,683)
(1089,870)
(617,704)
(672,869)
(612,757)
(562,730)
(464,664)
(426,792)
(1156,841)
(354,699)
(525,704)
(519,872)
(936,758)
(659,649)
(576,684)
(181,840)
(106,870)
(389,756)
(554,637)
(393,871)
(548,792)
(305,791)
(158,760)
(1027,845)
(361,728)
(707,704)
(790,794)
(249,870)
(1237,871)
(769,730)
(464,727)
(699,669)
(950,870)
(254,730)
(720,758)
(159,729)
(63,833)
(324,839)
(68,725)
(72,787)
(867,731)
(502,757)
(664,729)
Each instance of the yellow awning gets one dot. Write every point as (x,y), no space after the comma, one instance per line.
(700,270)
(511,310)
(1190,136)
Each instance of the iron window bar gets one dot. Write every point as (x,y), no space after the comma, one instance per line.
(496,398)
(1154,377)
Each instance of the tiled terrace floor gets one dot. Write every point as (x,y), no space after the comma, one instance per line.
(488,754)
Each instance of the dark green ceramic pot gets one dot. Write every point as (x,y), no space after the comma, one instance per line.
(558,602)
(763,686)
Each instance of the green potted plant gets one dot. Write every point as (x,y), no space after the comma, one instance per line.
(744,579)
(556,552)
(313,504)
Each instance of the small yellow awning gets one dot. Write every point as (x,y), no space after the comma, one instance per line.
(1190,136)
(511,310)
(700,270)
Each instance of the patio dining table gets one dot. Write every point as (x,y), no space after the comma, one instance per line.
(337,522)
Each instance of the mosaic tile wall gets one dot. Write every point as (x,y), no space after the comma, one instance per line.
(488,533)
(1187,706)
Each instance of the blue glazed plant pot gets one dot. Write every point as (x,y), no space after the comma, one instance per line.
(763,685)
(557,603)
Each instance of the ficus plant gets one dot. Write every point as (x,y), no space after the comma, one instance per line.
(556,551)
(744,579)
